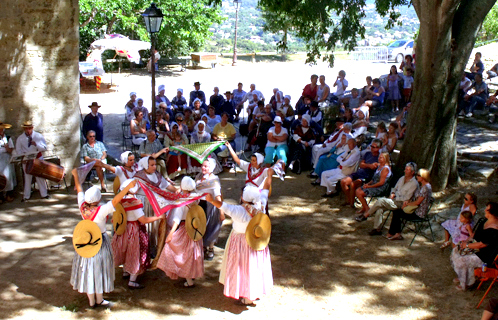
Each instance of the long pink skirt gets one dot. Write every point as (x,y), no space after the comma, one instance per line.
(182,257)
(246,273)
(131,248)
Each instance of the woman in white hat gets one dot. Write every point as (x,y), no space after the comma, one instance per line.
(301,143)
(130,105)
(286,108)
(127,170)
(245,273)
(7,169)
(131,249)
(95,275)
(182,257)
(201,135)
(277,143)
(179,101)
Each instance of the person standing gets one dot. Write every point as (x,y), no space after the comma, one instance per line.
(6,168)
(31,142)
(94,121)
(197,94)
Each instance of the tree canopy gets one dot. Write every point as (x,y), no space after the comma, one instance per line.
(184,29)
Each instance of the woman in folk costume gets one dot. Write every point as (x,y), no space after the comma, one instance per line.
(245,272)
(131,249)
(207,181)
(127,170)
(95,275)
(147,173)
(182,256)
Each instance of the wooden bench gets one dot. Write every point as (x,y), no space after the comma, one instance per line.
(183,62)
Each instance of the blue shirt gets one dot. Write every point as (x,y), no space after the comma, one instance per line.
(238,96)
(95,153)
(366,174)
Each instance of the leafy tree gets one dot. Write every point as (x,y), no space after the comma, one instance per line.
(185,25)
(489,30)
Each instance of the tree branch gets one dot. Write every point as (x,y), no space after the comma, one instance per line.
(90,18)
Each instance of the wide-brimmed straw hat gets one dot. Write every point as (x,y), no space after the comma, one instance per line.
(116,184)
(258,231)
(119,220)
(27,124)
(87,238)
(5,125)
(94,104)
(195,223)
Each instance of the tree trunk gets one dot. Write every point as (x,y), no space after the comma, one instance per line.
(448,29)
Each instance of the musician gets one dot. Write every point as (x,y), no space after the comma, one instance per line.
(31,142)
(6,168)
(94,121)
(94,150)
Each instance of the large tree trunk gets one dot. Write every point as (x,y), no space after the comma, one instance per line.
(448,29)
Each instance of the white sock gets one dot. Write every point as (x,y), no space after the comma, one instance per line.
(133,277)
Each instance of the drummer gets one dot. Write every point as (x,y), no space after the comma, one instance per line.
(31,142)
(6,168)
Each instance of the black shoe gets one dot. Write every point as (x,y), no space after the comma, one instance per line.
(135,285)
(375,232)
(331,195)
(297,167)
(46,197)
(24,200)
(312,175)
(104,304)
(315,183)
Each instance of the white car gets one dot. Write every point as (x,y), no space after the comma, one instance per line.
(399,49)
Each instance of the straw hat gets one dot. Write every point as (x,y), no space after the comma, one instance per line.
(195,223)
(119,220)
(258,232)
(5,125)
(27,124)
(116,185)
(87,238)
(94,104)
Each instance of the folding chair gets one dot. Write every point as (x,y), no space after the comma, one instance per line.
(125,128)
(419,223)
(490,273)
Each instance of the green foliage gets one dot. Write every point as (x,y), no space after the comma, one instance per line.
(184,29)
(489,28)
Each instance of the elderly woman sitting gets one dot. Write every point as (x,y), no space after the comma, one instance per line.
(485,240)
(301,143)
(328,161)
(417,207)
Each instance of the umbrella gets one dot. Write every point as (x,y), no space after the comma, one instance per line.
(123,46)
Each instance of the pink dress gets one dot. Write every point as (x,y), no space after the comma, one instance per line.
(463,235)
(182,257)
(245,272)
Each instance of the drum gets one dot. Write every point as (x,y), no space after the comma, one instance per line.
(44,169)
(3,182)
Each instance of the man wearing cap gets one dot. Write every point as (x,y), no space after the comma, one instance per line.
(216,100)
(238,95)
(162,98)
(130,105)
(31,142)
(143,109)
(6,168)
(94,121)
(227,106)
(179,102)
(197,93)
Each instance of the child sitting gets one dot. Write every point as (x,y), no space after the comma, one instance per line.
(177,141)
(465,228)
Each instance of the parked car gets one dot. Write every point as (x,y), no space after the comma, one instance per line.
(398,49)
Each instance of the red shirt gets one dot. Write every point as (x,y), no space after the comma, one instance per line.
(307,91)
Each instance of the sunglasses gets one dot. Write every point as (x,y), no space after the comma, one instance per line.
(374,147)
(91,136)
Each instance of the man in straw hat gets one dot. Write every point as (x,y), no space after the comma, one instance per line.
(7,172)
(31,142)
(246,269)
(94,121)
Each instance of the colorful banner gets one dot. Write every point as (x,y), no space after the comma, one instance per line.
(198,151)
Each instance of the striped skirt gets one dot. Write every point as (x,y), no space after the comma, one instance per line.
(95,274)
(131,249)
(182,257)
(152,228)
(245,272)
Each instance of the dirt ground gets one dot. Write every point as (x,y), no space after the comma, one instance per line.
(325,265)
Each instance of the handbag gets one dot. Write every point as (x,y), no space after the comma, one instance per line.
(466,251)
(409,209)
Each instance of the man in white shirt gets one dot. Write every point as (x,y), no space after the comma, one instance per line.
(31,142)
(250,96)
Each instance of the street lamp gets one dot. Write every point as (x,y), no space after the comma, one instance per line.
(153,18)
(236,4)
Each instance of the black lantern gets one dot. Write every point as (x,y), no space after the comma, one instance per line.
(153,18)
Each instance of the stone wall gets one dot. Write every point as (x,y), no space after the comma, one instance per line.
(39,72)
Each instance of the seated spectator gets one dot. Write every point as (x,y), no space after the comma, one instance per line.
(342,84)
(407,64)
(138,128)
(94,121)
(452,226)
(189,120)
(130,105)
(277,143)
(315,113)
(259,111)
(238,96)
(286,109)
(348,115)
(493,72)
(213,118)
(253,104)
(305,105)
(197,111)
(294,123)
(477,67)
(303,139)
(323,91)
(257,136)
(360,125)
(180,120)
(207,128)
(176,161)
(368,164)
(476,99)
(352,102)
(328,161)
(415,208)
(465,85)
(368,87)
(347,165)
(310,90)
(402,191)
(277,99)
(94,150)
(375,97)
(162,124)
(140,107)
(486,241)
(491,310)
(197,93)
(379,184)
(162,98)
(216,100)
(179,102)
(224,131)
(390,140)
(320,149)
(401,120)
(200,135)
(151,147)
(227,106)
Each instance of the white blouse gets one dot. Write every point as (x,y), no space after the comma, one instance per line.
(101,216)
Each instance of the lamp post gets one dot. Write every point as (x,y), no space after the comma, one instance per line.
(236,4)
(153,18)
